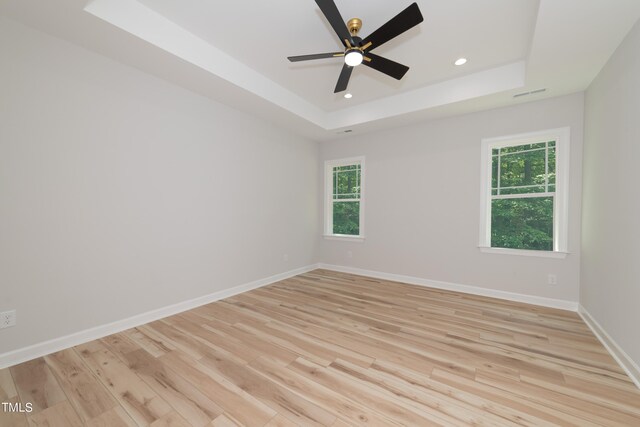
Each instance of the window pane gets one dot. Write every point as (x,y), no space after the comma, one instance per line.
(494,172)
(522,169)
(346,218)
(347,182)
(552,166)
(516,148)
(346,168)
(525,223)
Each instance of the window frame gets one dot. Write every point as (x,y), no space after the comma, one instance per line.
(562,138)
(328,198)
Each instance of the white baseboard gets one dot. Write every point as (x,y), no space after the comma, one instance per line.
(41,349)
(467,289)
(623,359)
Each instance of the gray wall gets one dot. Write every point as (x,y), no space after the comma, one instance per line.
(423,201)
(120,193)
(610,271)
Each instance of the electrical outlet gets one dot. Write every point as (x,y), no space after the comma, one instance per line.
(552,279)
(7,319)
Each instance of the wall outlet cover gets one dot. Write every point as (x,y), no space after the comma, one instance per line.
(7,319)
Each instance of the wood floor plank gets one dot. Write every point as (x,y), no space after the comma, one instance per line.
(617,401)
(156,339)
(59,415)
(156,349)
(281,421)
(283,325)
(133,394)
(116,417)
(510,400)
(462,395)
(213,338)
(564,402)
(346,409)
(247,339)
(424,398)
(452,411)
(291,405)
(89,398)
(371,397)
(172,419)
(178,339)
(223,421)
(120,343)
(312,351)
(185,398)
(12,419)
(7,387)
(237,403)
(334,349)
(37,385)
(586,379)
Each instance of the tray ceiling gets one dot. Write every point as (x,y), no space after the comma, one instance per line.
(235,52)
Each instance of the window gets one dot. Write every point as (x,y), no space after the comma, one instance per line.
(524,193)
(344,205)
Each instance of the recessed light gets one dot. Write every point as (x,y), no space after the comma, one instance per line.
(348,95)
(461,61)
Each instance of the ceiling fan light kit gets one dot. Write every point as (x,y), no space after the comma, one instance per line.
(353,57)
(358,51)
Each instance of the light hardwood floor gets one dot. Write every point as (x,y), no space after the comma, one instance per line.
(334,349)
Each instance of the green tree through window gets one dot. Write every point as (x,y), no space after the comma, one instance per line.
(346,199)
(523,185)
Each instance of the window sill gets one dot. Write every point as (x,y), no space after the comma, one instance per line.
(344,237)
(523,252)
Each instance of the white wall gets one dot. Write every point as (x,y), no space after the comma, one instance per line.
(120,193)
(610,273)
(423,201)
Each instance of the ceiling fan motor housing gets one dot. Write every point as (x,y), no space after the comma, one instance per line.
(354,25)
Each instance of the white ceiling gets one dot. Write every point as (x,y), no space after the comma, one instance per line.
(274,30)
(235,52)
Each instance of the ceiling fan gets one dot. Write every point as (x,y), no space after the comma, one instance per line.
(358,51)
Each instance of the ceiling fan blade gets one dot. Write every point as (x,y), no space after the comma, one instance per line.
(331,12)
(316,56)
(343,80)
(386,66)
(405,20)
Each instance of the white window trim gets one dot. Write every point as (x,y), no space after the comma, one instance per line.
(328,198)
(562,136)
